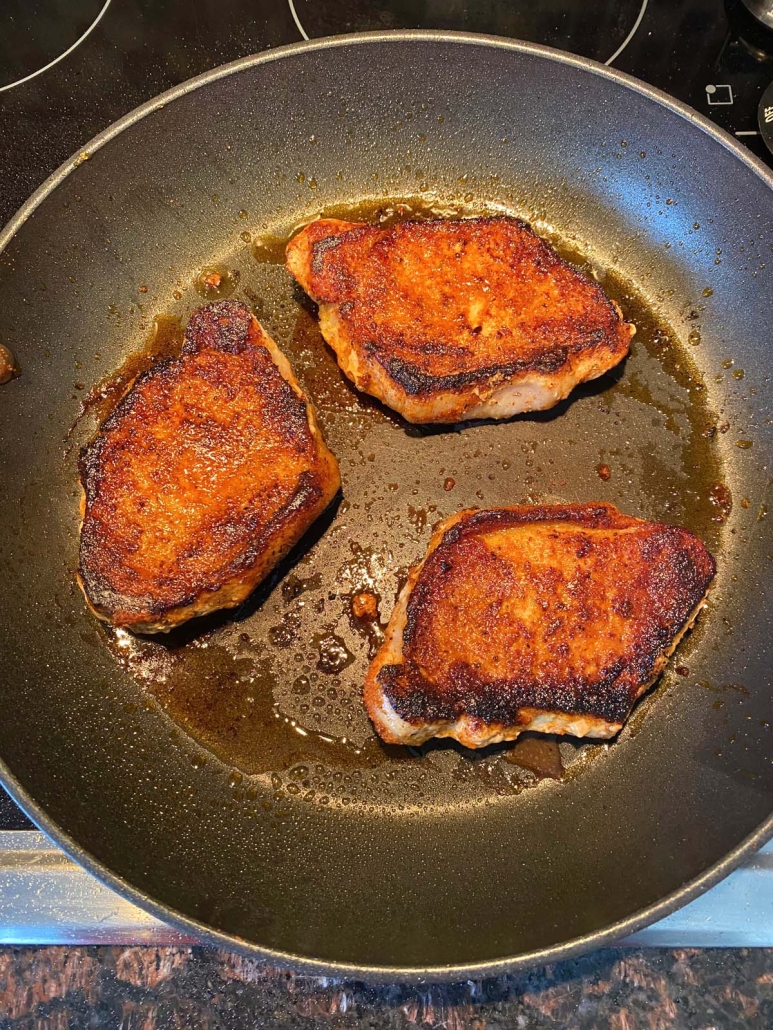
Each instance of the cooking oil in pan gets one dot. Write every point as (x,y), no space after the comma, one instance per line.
(165,341)
(274,689)
(216,282)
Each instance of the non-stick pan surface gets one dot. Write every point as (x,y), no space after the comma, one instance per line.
(176,771)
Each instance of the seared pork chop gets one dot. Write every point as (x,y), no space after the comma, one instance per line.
(450,320)
(204,476)
(554,619)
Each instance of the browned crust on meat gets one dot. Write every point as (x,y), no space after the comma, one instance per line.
(206,473)
(453,307)
(603,609)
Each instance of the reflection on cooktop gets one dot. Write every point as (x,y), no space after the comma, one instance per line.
(40,32)
(596,30)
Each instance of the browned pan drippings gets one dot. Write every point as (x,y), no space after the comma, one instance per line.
(277,690)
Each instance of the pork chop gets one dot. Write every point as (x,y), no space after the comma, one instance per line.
(554,619)
(449,320)
(206,473)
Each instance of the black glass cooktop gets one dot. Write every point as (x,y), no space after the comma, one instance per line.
(100,58)
(68,68)
(594,30)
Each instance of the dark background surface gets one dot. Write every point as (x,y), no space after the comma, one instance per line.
(166,988)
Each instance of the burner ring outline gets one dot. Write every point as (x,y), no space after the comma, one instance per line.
(61,57)
(609,60)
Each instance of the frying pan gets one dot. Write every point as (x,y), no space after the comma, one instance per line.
(205,777)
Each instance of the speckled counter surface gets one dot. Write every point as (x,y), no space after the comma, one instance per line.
(158,988)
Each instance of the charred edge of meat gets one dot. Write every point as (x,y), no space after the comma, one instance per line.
(320,247)
(415,382)
(225,325)
(418,700)
(105,599)
(587,516)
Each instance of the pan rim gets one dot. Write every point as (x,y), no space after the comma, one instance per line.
(207,935)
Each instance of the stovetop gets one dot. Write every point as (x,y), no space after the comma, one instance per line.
(67,70)
(119,53)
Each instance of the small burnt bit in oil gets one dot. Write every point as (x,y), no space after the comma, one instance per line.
(722,499)
(9,367)
(365,606)
(364,620)
(277,688)
(216,282)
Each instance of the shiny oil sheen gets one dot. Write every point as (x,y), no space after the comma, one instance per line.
(294,709)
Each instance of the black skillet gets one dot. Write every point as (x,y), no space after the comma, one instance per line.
(179,772)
